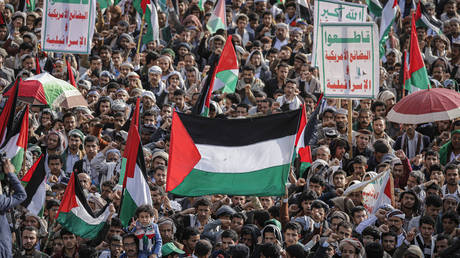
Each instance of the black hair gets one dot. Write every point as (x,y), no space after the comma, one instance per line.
(427,220)
(371,231)
(270,250)
(260,216)
(433,200)
(317,180)
(452,216)
(202,202)
(189,232)
(54,157)
(356,209)
(202,248)
(293,226)
(229,233)
(145,208)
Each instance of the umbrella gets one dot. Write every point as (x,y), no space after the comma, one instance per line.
(45,89)
(426,106)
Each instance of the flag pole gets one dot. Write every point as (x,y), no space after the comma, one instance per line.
(350,126)
(140,34)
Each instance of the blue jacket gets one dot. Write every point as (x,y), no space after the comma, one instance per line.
(6,203)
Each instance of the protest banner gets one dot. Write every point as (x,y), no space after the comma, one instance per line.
(68,26)
(334,11)
(351,51)
(377,191)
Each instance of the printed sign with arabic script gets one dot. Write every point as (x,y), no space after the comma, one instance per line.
(334,11)
(68,26)
(350,51)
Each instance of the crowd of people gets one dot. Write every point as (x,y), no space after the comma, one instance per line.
(273,44)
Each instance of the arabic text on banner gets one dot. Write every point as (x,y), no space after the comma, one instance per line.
(351,51)
(68,26)
(334,11)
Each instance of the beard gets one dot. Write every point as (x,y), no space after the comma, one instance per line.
(393,228)
(340,125)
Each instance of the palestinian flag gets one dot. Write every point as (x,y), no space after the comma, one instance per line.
(386,22)
(8,113)
(375,8)
(231,156)
(306,136)
(202,105)
(70,73)
(104,4)
(423,19)
(38,70)
(30,5)
(404,72)
(35,180)
(136,191)
(75,214)
(148,10)
(227,69)
(418,76)
(218,18)
(16,139)
(153,29)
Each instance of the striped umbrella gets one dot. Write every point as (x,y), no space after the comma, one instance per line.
(426,106)
(45,89)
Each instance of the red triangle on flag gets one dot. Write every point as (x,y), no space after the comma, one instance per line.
(183,154)
(69,200)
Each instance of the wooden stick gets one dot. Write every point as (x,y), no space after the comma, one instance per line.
(350,126)
(140,34)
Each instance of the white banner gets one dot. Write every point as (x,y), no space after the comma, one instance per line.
(377,191)
(349,60)
(68,26)
(334,11)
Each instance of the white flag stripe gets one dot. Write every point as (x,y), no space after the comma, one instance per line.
(240,159)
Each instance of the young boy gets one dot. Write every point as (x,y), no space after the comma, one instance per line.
(147,231)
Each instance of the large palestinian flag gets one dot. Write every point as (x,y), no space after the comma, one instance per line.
(35,180)
(234,156)
(136,191)
(75,214)
(16,138)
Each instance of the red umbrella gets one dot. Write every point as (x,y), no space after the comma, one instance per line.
(426,106)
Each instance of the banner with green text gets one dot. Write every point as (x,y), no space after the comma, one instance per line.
(351,51)
(334,11)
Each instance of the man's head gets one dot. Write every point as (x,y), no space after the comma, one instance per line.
(29,238)
(317,184)
(130,244)
(159,174)
(203,208)
(55,164)
(91,145)
(395,220)
(426,227)
(433,206)
(291,233)
(229,238)
(167,229)
(69,239)
(371,234)
(389,241)
(452,174)
(339,179)
(358,214)
(190,237)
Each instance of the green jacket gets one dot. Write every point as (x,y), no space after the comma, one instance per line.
(445,152)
